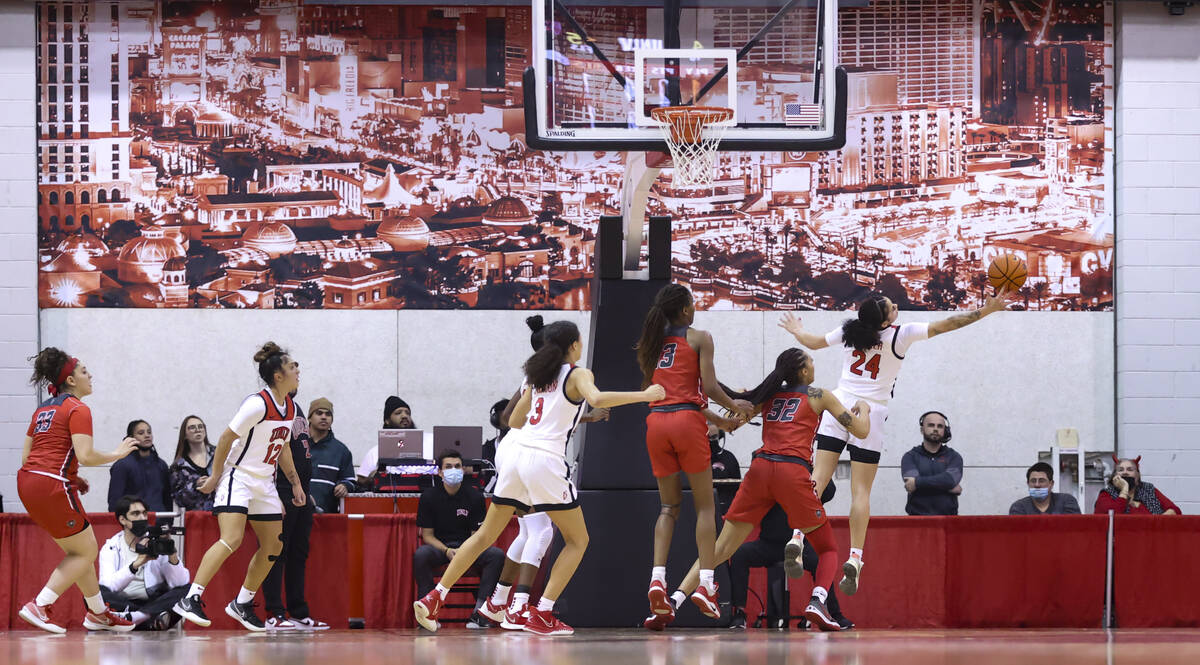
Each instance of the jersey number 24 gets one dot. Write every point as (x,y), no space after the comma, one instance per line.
(861,362)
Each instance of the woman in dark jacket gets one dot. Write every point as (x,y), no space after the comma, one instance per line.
(192,466)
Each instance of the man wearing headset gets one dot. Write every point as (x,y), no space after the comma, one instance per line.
(932,471)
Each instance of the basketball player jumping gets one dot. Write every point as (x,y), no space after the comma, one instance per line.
(256,442)
(58,441)
(680,358)
(873,350)
(532,471)
(780,473)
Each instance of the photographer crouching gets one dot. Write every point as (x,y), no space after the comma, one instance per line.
(141,576)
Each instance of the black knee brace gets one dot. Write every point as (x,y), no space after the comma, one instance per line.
(670,510)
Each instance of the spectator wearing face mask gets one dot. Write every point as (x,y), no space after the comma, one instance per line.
(1042,500)
(447,514)
(1127,494)
(724,464)
(143,474)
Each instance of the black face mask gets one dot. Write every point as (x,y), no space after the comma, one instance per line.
(1131,480)
(714,444)
(139,527)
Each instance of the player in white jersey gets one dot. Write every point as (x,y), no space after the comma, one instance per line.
(534,530)
(873,348)
(532,470)
(243,477)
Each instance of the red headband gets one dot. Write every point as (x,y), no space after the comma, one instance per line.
(67,370)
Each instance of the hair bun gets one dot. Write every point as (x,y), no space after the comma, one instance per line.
(269,349)
(535,322)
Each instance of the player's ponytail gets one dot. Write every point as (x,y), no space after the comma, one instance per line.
(541,369)
(670,302)
(864,332)
(787,372)
(270,360)
(48,366)
(536,324)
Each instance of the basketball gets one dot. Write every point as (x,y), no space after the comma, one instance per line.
(1007,270)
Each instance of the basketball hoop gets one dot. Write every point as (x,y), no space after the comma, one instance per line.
(693,134)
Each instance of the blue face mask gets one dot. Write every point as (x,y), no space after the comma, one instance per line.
(452,476)
(1039,492)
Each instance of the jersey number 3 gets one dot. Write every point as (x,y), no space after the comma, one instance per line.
(536,416)
(279,437)
(668,356)
(861,362)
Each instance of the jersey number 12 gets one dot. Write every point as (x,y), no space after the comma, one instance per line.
(871,365)
(275,446)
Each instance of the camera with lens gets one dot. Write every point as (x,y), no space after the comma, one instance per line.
(158,540)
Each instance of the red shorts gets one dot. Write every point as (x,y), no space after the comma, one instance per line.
(677,441)
(768,483)
(52,504)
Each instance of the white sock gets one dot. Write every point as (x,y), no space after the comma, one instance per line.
(856,552)
(95,604)
(500,594)
(659,574)
(820,593)
(519,601)
(245,596)
(706,579)
(138,617)
(678,597)
(442,591)
(797,534)
(196,590)
(45,597)
(545,604)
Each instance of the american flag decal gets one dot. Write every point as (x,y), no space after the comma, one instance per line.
(801,114)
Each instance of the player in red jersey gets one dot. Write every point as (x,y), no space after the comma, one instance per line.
(59,439)
(781,472)
(680,358)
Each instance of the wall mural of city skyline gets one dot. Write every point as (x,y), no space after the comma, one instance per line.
(293,154)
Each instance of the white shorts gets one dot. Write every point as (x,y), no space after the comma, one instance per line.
(832,428)
(532,479)
(240,492)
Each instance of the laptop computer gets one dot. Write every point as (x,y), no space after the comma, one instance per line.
(401,443)
(465,440)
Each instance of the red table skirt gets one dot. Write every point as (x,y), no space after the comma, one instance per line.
(921,572)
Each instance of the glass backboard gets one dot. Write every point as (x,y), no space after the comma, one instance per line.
(600,66)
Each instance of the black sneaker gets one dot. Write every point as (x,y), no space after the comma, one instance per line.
(818,616)
(244,614)
(738,620)
(162,621)
(845,623)
(192,609)
(478,622)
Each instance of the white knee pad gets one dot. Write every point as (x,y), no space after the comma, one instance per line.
(540,532)
(518,544)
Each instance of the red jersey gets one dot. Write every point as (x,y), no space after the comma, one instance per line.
(678,371)
(51,428)
(789,424)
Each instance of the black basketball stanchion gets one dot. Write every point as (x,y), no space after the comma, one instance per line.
(617,489)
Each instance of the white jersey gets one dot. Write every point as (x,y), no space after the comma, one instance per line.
(872,374)
(552,417)
(264,428)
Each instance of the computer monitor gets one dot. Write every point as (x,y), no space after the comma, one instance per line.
(401,443)
(465,440)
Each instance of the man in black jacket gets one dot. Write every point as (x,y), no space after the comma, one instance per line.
(932,471)
(291,566)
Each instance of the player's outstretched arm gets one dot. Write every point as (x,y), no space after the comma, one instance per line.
(993,304)
(793,325)
(583,384)
(726,424)
(86,453)
(712,387)
(857,420)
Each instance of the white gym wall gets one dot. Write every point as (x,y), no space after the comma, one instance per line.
(1007,383)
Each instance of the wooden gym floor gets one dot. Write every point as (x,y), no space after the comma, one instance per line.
(608,647)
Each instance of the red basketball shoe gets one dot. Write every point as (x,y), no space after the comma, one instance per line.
(545,623)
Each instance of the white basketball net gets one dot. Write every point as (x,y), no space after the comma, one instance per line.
(693,134)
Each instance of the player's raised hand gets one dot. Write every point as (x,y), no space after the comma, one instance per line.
(791,323)
(997,302)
